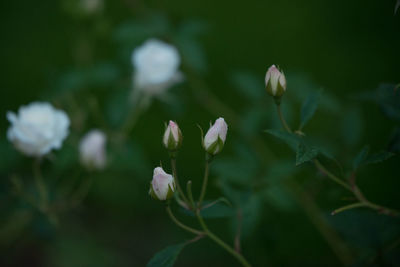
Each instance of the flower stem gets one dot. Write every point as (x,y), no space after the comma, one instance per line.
(175,174)
(282,119)
(134,114)
(348,207)
(190,194)
(41,186)
(181,225)
(221,243)
(205,180)
(331,176)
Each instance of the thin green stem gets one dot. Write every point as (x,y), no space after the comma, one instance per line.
(382,209)
(181,225)
(221,243)
(282,119)
(178,186)
(331,176)
(349,207)
(205,181)
(82,191)
(190,194)
(41,186)
(134,114)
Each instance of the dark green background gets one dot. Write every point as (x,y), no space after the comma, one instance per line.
(346,47)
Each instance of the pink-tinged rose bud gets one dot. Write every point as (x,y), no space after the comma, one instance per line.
(215,138)
(162,187)
(92,150)
(172,138)
(275,82)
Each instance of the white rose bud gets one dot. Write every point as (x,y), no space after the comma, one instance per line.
(172,138)
(92,150)
(215,138)
(162,187)
(156,66)
(275,82)
(37,128)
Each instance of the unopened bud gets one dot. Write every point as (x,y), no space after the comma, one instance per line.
(275,82)
(172,138)
(215,138)
(162,187)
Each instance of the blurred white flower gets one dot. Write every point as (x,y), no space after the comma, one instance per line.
(162,186)
(172,138)
(215,138)
(155,66)
(92,150)
(275,82)
(37,128)
(91,6)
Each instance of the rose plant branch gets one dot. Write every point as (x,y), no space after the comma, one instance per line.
(213,104)
(164,186)
(276,87)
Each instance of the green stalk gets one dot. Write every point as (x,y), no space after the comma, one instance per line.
(178,186)
(205,181)
(349,207)
(282,119)
(221,243)
(181,225)
(41,186)
(190,194)
(331,176)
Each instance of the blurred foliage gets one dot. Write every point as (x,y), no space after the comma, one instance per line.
(341,63)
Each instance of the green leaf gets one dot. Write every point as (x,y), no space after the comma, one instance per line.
(167,256)
(361,157)
(305,153)
(291,139)
(389,99)
(309,107)
(378,157)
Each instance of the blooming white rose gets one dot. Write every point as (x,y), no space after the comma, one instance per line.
(172,138)
(275,82)
(162,187)
(92,150)
(156,66)
(215,138)
(38,128)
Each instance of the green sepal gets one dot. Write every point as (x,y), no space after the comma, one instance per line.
(279,90)
(216,147)
(170,193)
(202,135)
(152,193)
(172,144)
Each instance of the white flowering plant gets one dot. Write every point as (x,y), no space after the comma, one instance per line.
(86,179)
